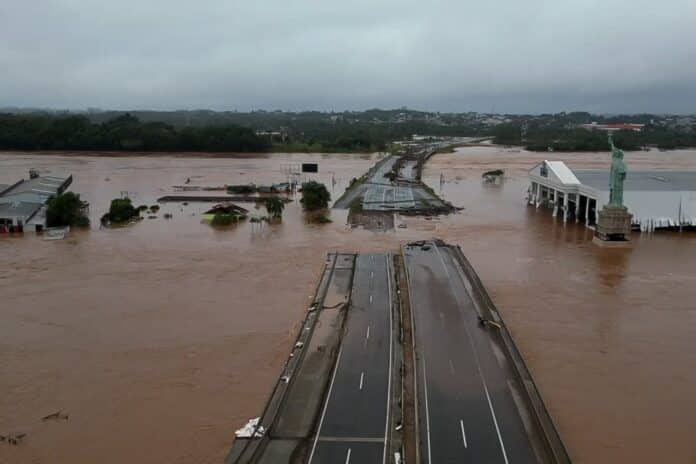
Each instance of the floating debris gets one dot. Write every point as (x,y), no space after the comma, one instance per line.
(13,439)
(55,415)
(252,429)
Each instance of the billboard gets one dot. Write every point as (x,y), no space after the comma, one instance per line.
(310,167)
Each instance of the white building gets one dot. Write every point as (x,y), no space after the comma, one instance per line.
(656,199)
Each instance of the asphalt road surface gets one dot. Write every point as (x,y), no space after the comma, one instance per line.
(353,424)
(466,410)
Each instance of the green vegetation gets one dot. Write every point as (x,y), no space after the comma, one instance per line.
(125,132)
(67,209)
(556,137)
(315,196)
(120,211)
(274,207)
(315,131)
(222,219)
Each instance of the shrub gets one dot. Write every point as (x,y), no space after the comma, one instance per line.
(275,207)
(121,210)
(67,209)
(314,196)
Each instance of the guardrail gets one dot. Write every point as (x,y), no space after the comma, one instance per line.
(552,439)
(269,413)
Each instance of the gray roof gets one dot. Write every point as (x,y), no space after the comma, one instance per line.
(641,180)
(27,197)
(8,210)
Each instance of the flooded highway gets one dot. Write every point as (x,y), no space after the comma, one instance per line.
(162,338)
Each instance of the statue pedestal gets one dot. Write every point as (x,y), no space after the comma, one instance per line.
(613,227)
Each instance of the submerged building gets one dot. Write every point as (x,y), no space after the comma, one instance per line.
(22,203)
(656,199)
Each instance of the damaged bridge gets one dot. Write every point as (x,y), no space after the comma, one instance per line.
(402,358)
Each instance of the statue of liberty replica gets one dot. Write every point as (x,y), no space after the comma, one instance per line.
(614,221)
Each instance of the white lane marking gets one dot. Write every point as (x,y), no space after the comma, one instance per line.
(362,376)
(451,367)
(478,361)
(461,424)
(495,421)
(348,456)
(386,425)
(427,411)
(367,335)
(372,274)
(370,298)
(328,397)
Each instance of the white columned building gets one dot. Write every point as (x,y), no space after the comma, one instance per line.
(656,199)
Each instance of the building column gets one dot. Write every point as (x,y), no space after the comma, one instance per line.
(540,192)
(577,207)
(596,214)
(555,203)
(565,206)
(587,212)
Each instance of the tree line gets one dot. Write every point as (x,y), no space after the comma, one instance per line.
(536,138)
(123,133)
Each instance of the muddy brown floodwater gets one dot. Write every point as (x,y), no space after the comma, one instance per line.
(160,339)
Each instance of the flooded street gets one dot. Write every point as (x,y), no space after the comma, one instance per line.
(161,338)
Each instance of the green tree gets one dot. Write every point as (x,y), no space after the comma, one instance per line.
(315,196)
(67,209)
(121,210)
(274,207)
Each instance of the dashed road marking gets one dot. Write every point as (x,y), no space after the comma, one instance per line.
(461,424)
(362,377)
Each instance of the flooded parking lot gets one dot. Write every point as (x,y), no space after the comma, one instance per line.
(160,339)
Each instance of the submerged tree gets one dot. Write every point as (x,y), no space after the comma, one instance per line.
(121,210)
(274,207)
(67,209)
(315,196)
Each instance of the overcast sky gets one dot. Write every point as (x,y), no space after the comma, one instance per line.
(455,55)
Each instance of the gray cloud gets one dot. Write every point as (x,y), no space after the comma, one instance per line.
(506,55)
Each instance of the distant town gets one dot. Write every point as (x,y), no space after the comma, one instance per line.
(317,131)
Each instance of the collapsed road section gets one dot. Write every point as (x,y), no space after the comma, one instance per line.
(394,185)
(342,395)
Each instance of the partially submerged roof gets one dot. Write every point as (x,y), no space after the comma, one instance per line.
(641,180)
(227,208)
(18,209)
(25,198)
